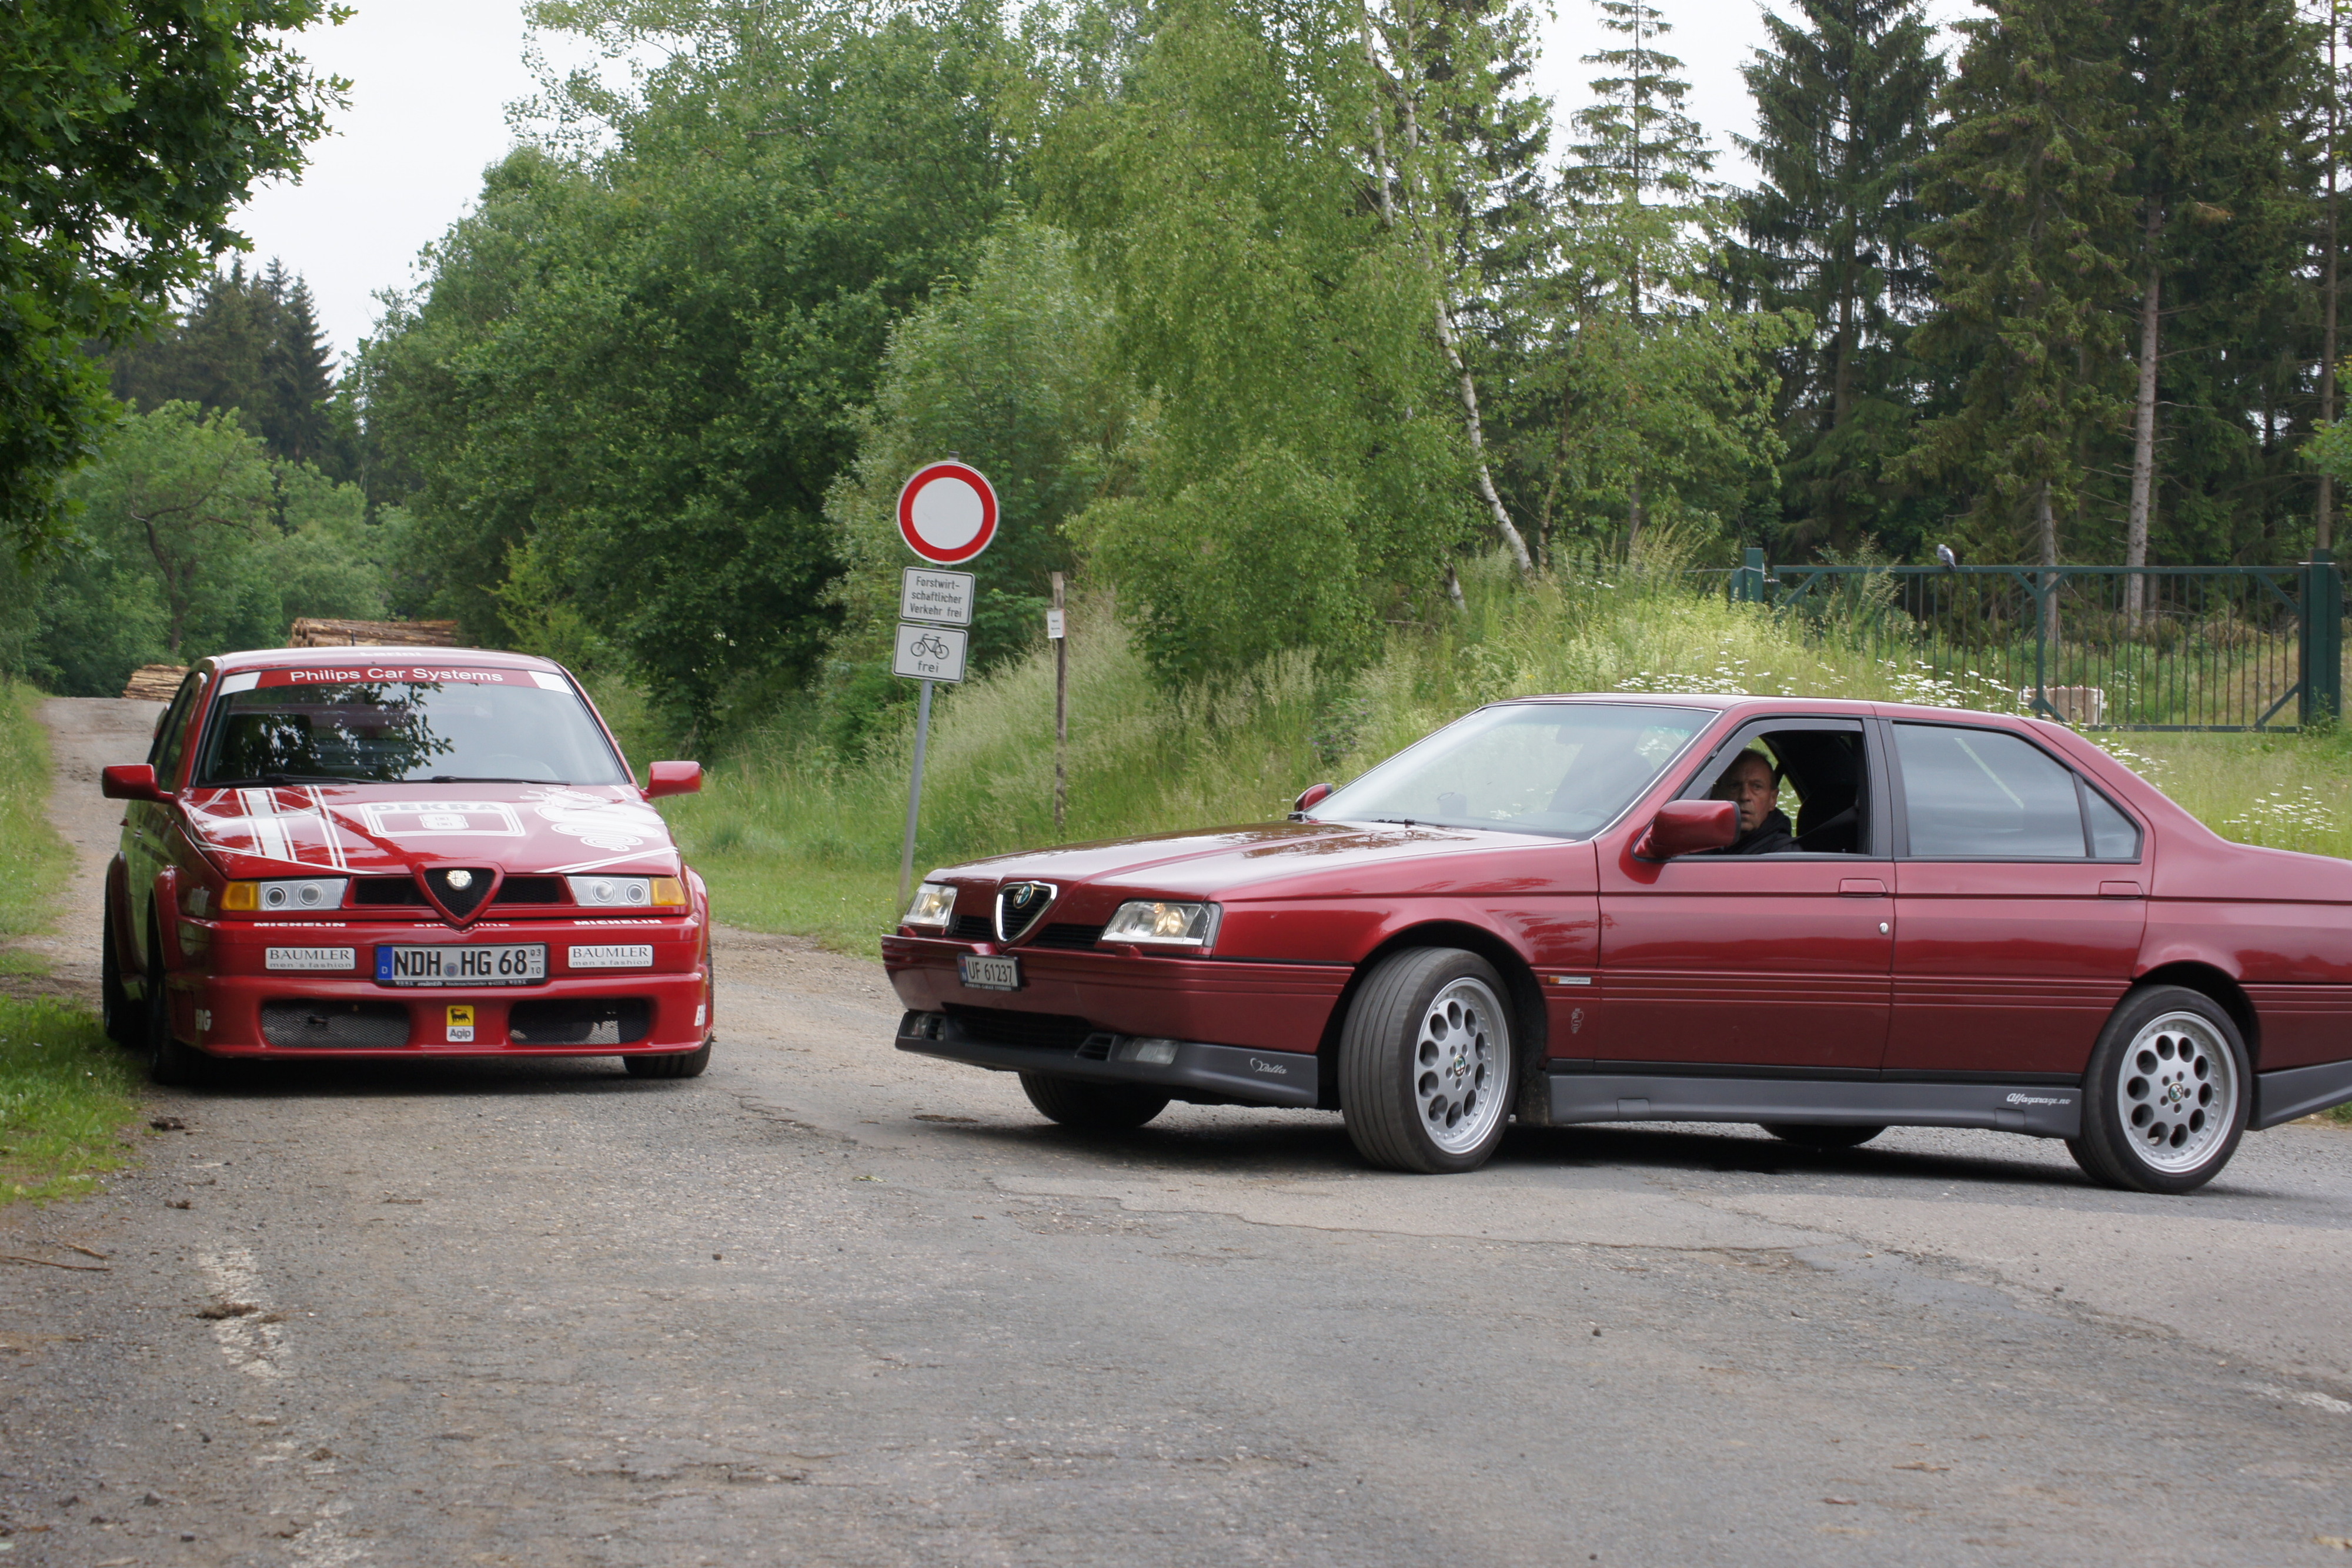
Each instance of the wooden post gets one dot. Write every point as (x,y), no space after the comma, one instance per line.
(1060,631)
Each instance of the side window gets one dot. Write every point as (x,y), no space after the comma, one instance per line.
(172,740)
(2114,836)
(1978,793)
(1807,782)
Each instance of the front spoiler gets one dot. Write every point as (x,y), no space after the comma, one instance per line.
(1216,1074)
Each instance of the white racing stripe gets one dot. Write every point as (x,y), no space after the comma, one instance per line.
(261,814)
(328,830)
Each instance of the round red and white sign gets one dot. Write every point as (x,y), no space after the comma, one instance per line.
(946,513)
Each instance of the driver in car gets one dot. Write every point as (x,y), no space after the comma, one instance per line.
(1753,784)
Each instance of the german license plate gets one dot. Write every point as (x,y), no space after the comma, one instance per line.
(990,973)
(462,964)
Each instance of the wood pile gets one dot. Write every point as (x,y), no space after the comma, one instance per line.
(318,632)
(155,683)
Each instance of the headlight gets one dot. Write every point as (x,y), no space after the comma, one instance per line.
(934,904)
(284,897)
(625,892)
(1166,925)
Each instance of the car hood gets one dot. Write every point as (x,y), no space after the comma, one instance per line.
(387,830)
(1337,856)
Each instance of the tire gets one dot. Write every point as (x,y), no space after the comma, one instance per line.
(2168,1094)
(121,1017)
(1820,1134)
(1426,1065)
(1093,1107)
(169,1063)
(670,1064)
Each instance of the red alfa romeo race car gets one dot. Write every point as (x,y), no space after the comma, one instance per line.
(399,852)
(1827,917)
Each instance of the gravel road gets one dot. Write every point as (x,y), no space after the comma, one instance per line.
(829,1304)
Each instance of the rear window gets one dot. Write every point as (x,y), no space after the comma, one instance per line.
(403,727)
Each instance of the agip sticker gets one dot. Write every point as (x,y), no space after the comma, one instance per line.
(461,1024)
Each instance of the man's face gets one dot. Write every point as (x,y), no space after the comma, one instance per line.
(1753,790)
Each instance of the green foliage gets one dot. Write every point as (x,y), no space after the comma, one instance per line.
(1280,327)
(645,359)
(129,130)
(189,541)
(1013,371)
(1234,568)
(2027,242)
(1844,105)
(249,341)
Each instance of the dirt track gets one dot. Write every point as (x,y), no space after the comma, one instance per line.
(833,1304)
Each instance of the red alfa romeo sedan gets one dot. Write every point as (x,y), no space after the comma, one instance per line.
(1826,917)
(397,852)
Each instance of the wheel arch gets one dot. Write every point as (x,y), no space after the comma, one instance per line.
(2224,992)
(1526,999)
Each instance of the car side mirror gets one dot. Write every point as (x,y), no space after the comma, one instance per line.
(1309,797)
(130,781)
(1687,827)
(673,778)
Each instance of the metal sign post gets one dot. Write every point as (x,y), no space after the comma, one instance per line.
(1057,628)
(946,515)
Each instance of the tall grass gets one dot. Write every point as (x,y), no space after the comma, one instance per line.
(65,1091)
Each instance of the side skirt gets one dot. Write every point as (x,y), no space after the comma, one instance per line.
(2294,1091)
(2039,1110)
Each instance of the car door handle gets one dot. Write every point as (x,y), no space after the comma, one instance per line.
(2120,890)
(1861,887)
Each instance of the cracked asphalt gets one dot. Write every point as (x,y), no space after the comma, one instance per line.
(831,1304)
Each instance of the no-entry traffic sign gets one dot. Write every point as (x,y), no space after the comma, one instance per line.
(946,513)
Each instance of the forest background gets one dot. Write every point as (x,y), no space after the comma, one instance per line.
(1345,394)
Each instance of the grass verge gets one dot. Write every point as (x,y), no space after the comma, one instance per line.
(65,1091)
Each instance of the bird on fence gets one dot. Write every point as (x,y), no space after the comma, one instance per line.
(1944,553)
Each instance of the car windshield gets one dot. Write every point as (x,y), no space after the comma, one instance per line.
(525,728)
(1563,769)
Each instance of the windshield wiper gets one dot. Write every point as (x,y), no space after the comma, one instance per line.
(486,779)
(283,781)
(1401,821)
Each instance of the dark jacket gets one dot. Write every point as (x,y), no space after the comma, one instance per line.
(1772,836)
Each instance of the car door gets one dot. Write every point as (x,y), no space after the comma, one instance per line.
(1777,961)
(2019,903)
(147,846)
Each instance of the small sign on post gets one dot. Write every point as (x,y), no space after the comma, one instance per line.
(946,515)
(939,597)
(929,653)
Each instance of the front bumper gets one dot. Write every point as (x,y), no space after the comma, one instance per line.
(1195,1070)
(228,1003)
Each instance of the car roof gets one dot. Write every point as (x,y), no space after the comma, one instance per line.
(315,658)
(1722,703)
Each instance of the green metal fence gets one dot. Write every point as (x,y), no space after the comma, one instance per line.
(2160,647)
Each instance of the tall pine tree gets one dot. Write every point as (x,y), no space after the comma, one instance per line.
(1845,103)
(2210,88)
(2030,244)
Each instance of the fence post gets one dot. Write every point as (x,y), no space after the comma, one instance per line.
(2321,650)
(1747,583)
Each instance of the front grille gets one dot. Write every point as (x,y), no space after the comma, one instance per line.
(530,890)
(1063,935)
(367,1026)
(971,928)
(459,901)
(1031,1032)
(602,1020)
(387,890)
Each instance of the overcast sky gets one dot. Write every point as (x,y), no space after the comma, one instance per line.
(431,80)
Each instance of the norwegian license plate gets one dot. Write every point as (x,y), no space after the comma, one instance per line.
(462,964)
(989,974)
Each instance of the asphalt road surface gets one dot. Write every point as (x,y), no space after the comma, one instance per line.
(830,1304)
